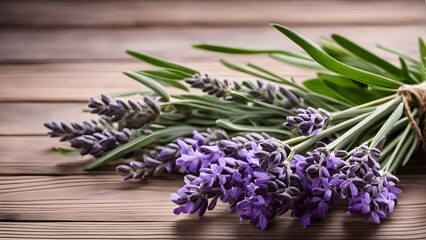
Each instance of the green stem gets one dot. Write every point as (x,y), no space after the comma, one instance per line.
(397,148)
(362,106)
(141,141)
(349,114)
(324,133)
(372,118)
(295,140)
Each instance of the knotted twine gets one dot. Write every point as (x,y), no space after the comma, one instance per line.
(419,92)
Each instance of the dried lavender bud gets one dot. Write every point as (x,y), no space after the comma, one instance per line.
(98,143)
(130,114)
(261,92)
(369,192)
(209,85)
(69,131)
(308,121)
(150,163)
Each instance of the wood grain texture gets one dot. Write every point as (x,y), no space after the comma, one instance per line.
(59,45)
(77,82)
(213,227)
(130,13)
(28,118)
(107,198)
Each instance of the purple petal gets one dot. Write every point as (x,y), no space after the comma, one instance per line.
(325,171)
(354,190)
(305,220)
(395,190)
(178,210)
(202,209)
(327,195)
(263,222)
(390,206)
(375,217)
(365,208)
(241,205)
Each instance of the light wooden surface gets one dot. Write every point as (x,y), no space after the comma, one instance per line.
(55,54)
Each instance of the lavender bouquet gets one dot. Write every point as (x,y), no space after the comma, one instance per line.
(267,148)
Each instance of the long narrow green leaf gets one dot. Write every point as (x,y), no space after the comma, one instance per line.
(160,62)
(388,125)
(406,72)
(318,86)
(226,124)
(151,83)
(399,53)
(166,82)
(240,69)
(139,142)
(422,51)
(373,117)
(67,152)
(333,65)
(248,50)
(167,73)
(133,92)
(413,146)
(350,90)
(297,62)
(366,55)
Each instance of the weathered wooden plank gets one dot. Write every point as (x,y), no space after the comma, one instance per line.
(28,118)
(54,13)
(107,198)
(175,43)
(62,82)
(32,155)
(211,228)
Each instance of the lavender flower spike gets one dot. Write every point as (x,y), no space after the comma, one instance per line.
(308,121)
(131,114)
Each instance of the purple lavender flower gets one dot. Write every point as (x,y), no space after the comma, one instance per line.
(250,175)
(152,162)
(98,143)
(69,131)
(308,121)
(316,169)
(369,192)
(262,92)
(130,114)
(209,85)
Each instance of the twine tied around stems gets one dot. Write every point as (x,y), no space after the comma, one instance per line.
(419,92)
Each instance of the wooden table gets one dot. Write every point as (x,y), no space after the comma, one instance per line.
(54,55)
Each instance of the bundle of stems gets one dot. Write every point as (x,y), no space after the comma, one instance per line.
(264,147)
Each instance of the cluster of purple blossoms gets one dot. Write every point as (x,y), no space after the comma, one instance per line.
(308,121)
(326,178)
(255,179)
(249,174)
(369,192)
(316,169)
